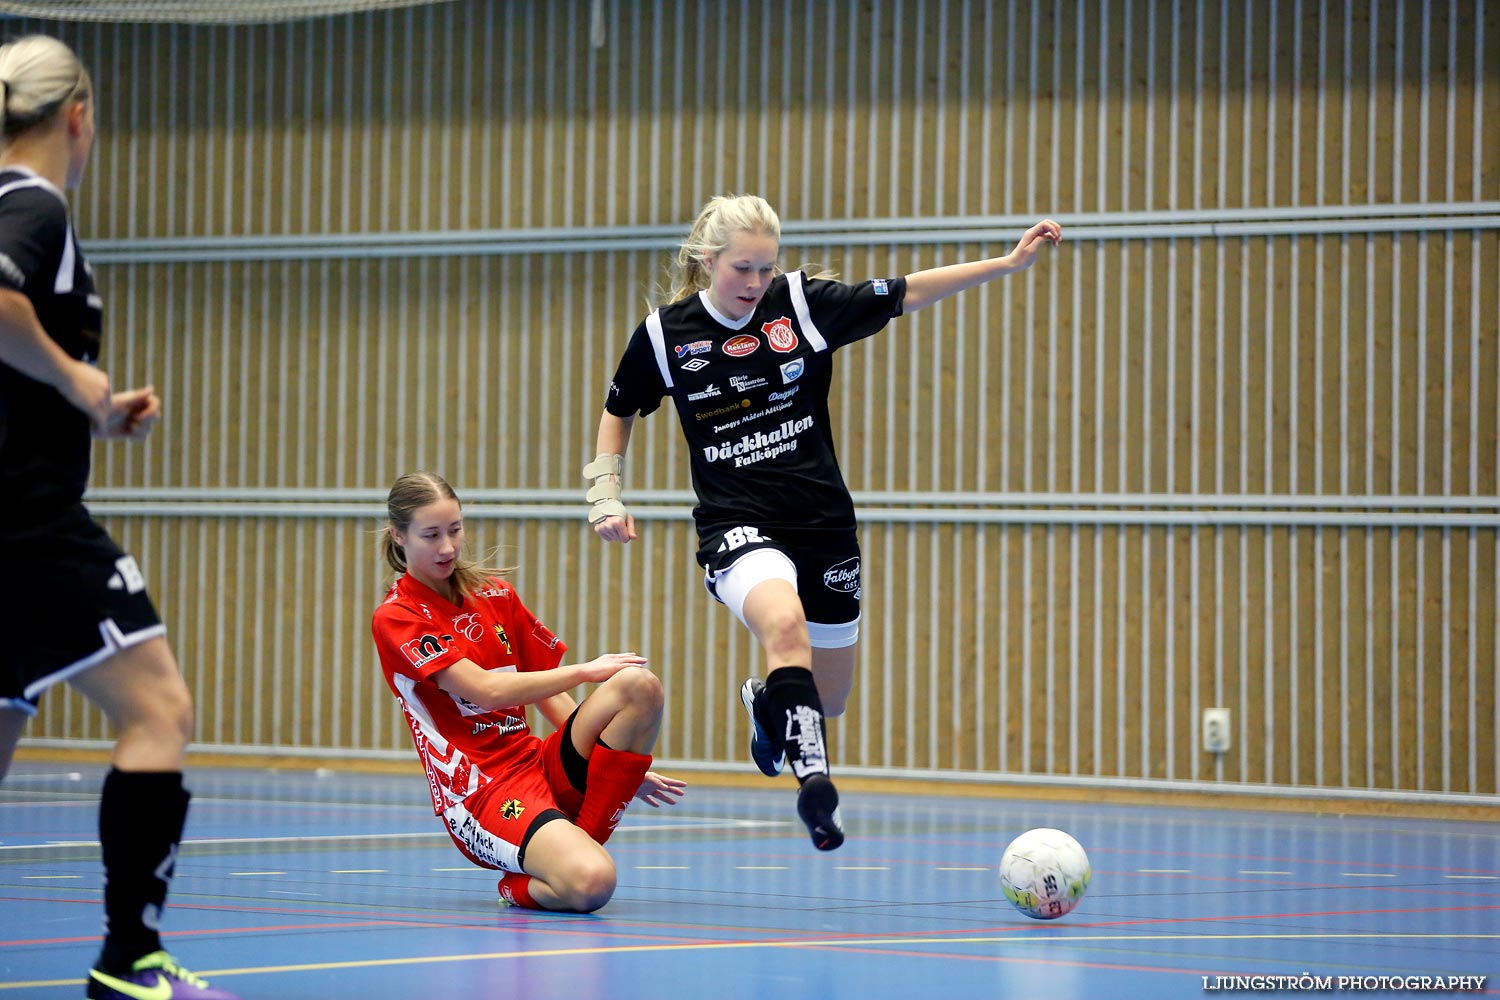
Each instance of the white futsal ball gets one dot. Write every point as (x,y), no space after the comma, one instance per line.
(1044,873)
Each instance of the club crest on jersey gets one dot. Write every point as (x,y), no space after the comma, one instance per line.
(696,347)
(792,371)
(695,365)
(779,335)
(739,347)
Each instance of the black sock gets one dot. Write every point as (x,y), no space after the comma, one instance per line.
(795,714)
(141,814)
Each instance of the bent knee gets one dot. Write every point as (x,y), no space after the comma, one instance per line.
(639,687)
(587,886)
(785,633)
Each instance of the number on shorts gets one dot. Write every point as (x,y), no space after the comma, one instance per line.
(736,537)
(130,575)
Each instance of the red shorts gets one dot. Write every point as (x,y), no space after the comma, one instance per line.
(492,826)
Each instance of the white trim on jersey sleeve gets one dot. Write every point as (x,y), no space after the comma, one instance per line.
(804,316)
(63,283)
(659,345)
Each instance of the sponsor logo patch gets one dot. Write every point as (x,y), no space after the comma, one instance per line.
(759,446)
(779,335)
(543,634)
(695,365)
(696,347)
(792,371)
(707,392)
(469,626)
(731,408)
(739,347)
(426,649)
(880,286)
(744,383)
(843,577)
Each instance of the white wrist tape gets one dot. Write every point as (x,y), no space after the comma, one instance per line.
(608,474)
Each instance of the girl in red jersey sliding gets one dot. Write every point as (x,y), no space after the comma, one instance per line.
(464,656)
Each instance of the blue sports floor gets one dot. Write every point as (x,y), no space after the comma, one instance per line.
(300,885)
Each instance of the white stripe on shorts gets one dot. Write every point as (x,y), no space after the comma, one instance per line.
(115,641)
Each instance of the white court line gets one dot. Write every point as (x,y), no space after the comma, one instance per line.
(1479,878)
(685,823)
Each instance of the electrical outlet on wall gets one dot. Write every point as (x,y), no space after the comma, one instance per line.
(1216,730)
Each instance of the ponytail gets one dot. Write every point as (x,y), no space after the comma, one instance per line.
(39,75)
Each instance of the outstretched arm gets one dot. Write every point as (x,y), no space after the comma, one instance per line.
(614,437)
(926,287)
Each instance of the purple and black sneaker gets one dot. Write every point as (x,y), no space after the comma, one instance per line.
(155,977)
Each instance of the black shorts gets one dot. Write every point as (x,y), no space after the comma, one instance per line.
(73,598)
(827,562)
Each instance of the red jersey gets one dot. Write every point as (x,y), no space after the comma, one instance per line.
(418,633)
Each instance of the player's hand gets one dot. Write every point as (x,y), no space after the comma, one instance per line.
(132,414)
(1025,252)
(659,790)
(617,529)
(87,388)
(604,667)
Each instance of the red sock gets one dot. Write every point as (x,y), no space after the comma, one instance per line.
(515,889)
(614,778)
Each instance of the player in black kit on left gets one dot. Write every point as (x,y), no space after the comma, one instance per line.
(78,604)
(746,353)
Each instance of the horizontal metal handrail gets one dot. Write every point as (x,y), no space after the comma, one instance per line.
(869,515)
(865,498)
(1082,226)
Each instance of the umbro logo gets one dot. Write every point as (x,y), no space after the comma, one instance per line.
(695,365)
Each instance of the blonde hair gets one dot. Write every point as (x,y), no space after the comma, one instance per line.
(721,218)
(39,75)
(409,494)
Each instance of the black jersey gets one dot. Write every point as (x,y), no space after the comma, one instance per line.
(44,439)
(752,395)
